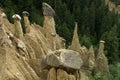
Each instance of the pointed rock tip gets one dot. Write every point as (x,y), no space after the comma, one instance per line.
(1,10)
(48,10)
(2,13)
(76,27)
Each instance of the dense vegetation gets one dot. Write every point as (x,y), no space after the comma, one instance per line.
(116,1)
(95,21)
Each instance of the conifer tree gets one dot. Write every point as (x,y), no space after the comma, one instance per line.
(112,43)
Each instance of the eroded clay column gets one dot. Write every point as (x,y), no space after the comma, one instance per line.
(17,26)
(49,24)
(5,21)
(75,45)
(1,10)
(3,15)
(101,45)
(101,60)
(26,21)
(91,59)
(3,35)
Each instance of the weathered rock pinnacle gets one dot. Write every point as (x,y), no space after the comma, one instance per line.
(47,10)
(1,10)
(75,45)
(18,28)
(91,59)
(5,21)
(101,60)
(26,21)
(49,25)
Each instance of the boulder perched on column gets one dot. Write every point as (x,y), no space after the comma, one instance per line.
(26,21)
(17,26)
(49,24)
(8,26)
(101,61)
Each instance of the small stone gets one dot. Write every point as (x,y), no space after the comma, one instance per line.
(16,17)
(25,13)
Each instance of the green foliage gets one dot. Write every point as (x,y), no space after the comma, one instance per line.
(63,31)
(85,40)
(112,43)
(114,74)
(116,1)
(97,76)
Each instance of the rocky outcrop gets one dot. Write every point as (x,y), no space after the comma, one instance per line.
(20,55)
(13,64)
(40,53)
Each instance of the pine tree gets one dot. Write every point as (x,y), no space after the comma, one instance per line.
(112,43)
(85,21)
(92,16)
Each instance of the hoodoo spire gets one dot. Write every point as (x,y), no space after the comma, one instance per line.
(26,21)
(49,25)
(75,45)
(101,61)
(18,28)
